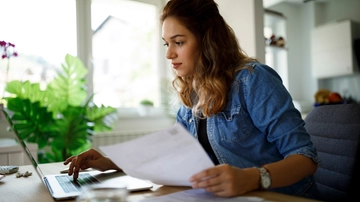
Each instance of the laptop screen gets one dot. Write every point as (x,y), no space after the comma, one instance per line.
(22,143)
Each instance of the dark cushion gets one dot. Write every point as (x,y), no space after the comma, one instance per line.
(335,132)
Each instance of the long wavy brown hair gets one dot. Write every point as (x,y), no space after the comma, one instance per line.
(220,55)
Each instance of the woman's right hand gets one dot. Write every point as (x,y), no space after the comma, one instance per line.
(89,159)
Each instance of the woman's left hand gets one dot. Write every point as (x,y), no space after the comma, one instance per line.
(227,181)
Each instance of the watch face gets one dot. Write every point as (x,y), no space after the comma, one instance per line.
(266,182)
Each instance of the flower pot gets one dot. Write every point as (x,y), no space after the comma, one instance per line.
(144,110)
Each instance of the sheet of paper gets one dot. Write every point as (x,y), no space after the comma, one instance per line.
(199,195)
(167,157)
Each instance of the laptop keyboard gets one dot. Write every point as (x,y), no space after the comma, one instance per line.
(69,185)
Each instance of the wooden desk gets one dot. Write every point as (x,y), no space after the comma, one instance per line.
(32,189)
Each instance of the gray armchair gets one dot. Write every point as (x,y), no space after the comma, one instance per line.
(335,131)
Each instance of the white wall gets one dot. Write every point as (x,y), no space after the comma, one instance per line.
(246,17)
(344,9)
(301,83)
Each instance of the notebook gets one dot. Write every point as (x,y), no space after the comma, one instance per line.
(62,186)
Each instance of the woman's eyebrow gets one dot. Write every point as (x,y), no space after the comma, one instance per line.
(175,36)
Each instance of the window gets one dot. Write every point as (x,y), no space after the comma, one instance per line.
(118,40)
(125,43)
(43,33)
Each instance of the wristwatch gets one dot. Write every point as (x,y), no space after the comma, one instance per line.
(265,178)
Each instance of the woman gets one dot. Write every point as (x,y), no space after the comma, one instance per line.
(237,108)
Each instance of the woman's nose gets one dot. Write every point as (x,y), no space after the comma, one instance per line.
(170,54)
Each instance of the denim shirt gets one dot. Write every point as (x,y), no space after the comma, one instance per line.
(259,125)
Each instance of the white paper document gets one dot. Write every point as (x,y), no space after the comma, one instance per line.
(199,195)
(167,157)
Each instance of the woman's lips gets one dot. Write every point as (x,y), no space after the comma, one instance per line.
(176,65)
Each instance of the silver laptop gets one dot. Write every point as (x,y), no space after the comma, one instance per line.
(62,186)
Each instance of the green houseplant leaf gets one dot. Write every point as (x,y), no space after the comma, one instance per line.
(34,122)
(58,117)
(103,117)
(31,91)
(69,85)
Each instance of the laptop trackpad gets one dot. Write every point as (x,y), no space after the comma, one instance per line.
(111,178)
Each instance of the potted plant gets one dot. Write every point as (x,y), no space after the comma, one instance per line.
(59,118)
(145,107)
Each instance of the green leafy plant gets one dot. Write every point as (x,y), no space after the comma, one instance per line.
(146,102)
(59,117)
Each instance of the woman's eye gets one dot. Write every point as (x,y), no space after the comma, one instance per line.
(176,43)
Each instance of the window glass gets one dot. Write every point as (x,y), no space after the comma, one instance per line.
(42,31)
(125,52)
